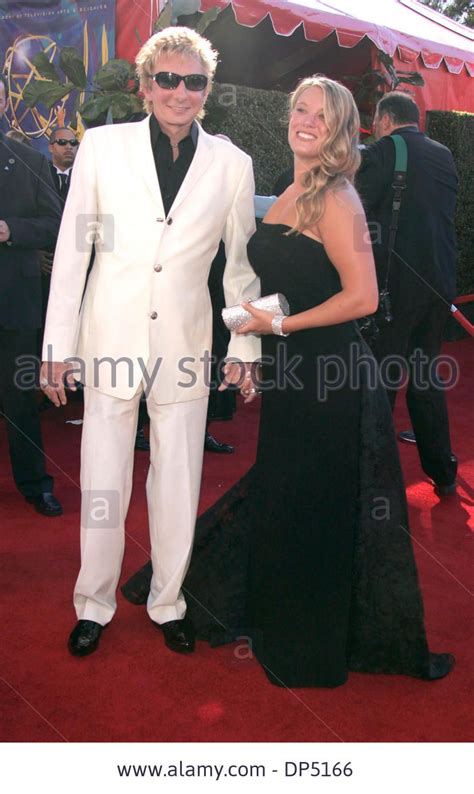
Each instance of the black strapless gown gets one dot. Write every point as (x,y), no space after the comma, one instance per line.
(309,555)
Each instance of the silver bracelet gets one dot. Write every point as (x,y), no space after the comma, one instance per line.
(276,325)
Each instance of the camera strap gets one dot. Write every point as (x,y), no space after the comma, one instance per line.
(398,185)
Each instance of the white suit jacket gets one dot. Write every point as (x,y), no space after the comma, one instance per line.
(146,305)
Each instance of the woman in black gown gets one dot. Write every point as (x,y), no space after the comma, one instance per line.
(310,556)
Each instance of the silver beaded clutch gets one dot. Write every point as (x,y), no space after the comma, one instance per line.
(235,316)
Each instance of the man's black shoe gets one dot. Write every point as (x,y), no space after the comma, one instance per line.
(445,490)
(141,443)
(84,638)
(439,665)
(407,436)
(46,504)
(179,635)
(211,444)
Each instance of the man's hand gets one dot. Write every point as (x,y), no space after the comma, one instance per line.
(246,375)
(4,232)
(53,376)
(46,262)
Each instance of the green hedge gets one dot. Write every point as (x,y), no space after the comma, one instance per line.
(256,121)
(456,131)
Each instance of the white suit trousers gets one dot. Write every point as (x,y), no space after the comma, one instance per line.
(173,485)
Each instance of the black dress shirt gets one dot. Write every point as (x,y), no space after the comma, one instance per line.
(62,180)
(171,173)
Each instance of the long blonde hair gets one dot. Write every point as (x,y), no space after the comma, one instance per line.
(338,157)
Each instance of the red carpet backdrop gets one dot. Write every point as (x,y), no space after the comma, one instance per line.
(134,689)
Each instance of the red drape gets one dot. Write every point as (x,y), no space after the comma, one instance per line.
(444,89)
(133,25)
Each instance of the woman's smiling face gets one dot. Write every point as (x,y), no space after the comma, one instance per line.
(307,129)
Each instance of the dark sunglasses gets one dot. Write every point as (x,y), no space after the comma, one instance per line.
(171,80)
(66,141)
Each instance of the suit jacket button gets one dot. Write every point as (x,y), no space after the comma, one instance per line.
(153,315)
(169,221)
(158,268)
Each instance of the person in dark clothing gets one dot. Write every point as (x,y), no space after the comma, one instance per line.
(29,219)
(63,146)
(422,274)
(222,404)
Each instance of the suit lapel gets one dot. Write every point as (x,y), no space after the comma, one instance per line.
(143,161)
(199,165)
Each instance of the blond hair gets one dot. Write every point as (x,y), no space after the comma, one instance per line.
(338,157)
(174,41)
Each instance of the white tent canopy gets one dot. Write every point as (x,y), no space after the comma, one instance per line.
(432,36)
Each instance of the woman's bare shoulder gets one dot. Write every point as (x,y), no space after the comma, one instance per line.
(341,200)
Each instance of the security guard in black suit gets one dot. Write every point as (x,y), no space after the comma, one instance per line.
(422,275)
(63,145)
(30,213)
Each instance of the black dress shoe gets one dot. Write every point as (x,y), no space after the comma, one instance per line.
(211,444)
(141,443)
(46,504)
(179,635)
(407,436)
(84,638)
(445,490)
(439,665)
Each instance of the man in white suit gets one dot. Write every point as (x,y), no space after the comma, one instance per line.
(162,193)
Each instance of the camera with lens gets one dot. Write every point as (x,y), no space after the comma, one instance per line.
(384,311)
(370,326)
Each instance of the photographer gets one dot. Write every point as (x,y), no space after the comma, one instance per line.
(421,279)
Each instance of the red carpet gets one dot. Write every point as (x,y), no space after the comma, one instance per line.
(134,689)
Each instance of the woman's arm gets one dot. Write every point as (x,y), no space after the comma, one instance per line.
(345,236)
